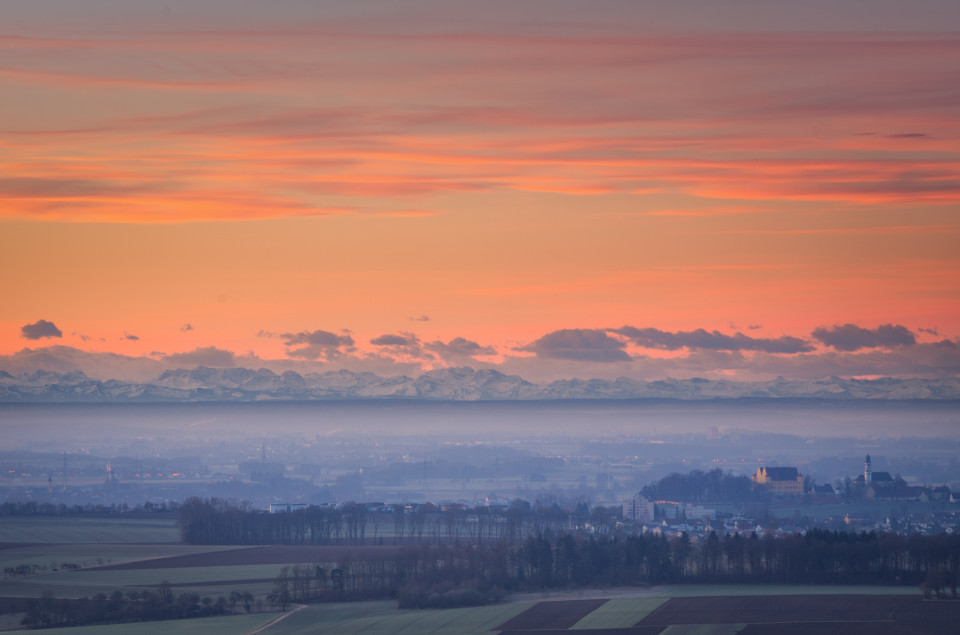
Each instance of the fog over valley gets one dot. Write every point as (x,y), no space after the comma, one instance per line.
(399,451)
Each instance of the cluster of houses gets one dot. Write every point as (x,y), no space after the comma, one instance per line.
(674,518)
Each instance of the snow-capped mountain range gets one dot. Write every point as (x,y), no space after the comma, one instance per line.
(451,384)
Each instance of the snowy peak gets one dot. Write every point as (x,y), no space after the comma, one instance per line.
(447,384)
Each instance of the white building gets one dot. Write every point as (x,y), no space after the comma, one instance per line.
(279,508)
(638,509)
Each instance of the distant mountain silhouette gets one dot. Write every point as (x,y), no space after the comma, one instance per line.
(451,384)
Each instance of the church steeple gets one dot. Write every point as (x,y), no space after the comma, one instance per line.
(867,472)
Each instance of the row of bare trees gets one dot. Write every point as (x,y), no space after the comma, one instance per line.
(465,573)
(219,521)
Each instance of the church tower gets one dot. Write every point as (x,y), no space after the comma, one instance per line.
(867,472)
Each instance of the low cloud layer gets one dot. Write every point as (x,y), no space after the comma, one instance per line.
(850,337)
(583,345)
(711,340)
(395,340)
(39,330)
(459,349)
(406,346)
(205,356)
(319,344)
(647,353)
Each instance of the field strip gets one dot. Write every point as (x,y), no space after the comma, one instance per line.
(197,557)
(99,556)
(149,577)
(708,590)
(221,625)
(74,530)
(383,618)
(552,615)
(826,622)
(299,607)
(619,613)
(209,583)
(703,629)
(783,609)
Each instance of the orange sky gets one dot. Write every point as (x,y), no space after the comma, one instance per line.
(470,172)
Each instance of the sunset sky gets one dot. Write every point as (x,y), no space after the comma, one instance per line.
(551,188)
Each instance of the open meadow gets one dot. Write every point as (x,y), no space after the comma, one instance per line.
(95,528)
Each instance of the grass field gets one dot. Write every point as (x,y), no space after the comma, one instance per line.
(619,613)
(74,529)
(698,590)
(228,625)
(96,554)
(383,618)
(63,583)
(703,629)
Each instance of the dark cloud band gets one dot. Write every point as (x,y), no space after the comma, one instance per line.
(712,340)
(850,337)
(40,329)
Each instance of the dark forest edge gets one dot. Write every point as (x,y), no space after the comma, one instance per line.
(133,606)
(521,549)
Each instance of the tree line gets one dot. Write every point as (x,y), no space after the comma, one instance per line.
(218,521)
(460,574)
(34,508)
(580,547)
(698,486)
(162,603)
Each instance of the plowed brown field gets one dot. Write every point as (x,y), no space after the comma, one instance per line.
(552,615)
(778,609)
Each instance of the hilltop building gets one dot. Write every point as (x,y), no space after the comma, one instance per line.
(871,478)
(779,480)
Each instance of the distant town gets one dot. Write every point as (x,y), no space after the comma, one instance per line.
(773,500)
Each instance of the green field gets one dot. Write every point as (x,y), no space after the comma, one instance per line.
(95,554)
(73,529)
(703,629)
(620,613)
(87,583)
(227,625)
(697,590)
(383,618)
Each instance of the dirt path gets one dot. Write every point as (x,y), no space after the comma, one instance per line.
(300,607)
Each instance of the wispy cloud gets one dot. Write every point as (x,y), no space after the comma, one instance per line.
(514,128)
